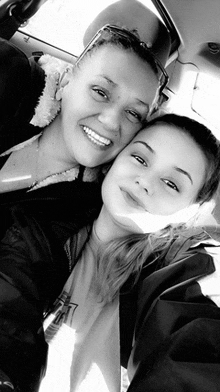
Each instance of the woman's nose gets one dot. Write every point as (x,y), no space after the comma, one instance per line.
(146,183)
(111,119)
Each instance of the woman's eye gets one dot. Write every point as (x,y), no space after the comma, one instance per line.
(99,93)
(134,116)
(140,160)
(171,185)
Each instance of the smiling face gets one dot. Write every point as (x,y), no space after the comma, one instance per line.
(160,172)
(104,104)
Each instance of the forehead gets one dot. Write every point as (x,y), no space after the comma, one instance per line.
(123,66)
(167,136)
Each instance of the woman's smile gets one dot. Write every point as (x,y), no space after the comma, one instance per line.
(96,138)
(132,199)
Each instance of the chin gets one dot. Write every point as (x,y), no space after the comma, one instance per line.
(129,226)
(90,163)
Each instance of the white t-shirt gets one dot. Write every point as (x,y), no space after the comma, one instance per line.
(83,335)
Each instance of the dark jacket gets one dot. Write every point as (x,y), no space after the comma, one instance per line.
(177,334)
(175,328)
(22,81)
(34,268)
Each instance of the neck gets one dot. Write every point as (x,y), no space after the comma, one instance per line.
(108,229)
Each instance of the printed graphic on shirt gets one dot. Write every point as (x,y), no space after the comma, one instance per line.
(63,310)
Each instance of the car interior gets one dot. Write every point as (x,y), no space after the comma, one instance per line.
(57,28)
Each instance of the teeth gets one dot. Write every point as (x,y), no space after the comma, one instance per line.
(96,138)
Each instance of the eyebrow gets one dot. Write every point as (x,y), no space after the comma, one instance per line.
(146,145)
(109,81)
(176,167)
(142,103)
(185,173)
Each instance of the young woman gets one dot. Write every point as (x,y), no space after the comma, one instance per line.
(156,189)
(165,175)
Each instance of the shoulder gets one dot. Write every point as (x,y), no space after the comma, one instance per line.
(3,160)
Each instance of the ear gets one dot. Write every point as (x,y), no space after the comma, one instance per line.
(65,76)
(63,81)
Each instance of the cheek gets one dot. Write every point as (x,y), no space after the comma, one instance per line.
(111,182)
(118,168)
(120,173)
(73,94)
(164,203)
(167,206)
(108,193)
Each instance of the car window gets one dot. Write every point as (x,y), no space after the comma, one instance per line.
(62,23)
(205,100)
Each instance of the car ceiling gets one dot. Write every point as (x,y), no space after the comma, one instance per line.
(197,25)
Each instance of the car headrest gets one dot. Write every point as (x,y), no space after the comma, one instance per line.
(13,13)
(21,83)
(132,14)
